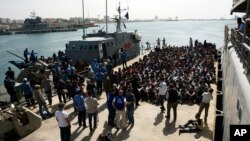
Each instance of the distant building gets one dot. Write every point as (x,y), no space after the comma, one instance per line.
(5,20)
(176,18)
(106,18)
(156,18)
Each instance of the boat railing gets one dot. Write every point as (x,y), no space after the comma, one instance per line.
(235,1)
(242,47)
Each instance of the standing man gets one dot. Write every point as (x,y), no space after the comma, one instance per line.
(111,109)
(130,97)
(163,42)
(206,98)
(47,85)
(135,86)
(79,104)
(41,102)
(190,42)
(60,85)
(123,57)
(25,55)
(173,98)
(99,80)
(162,93)
(91,106)
(9,84)
(63,122)
(28,93)
(119,103)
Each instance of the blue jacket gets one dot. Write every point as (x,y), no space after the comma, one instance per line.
(79,102)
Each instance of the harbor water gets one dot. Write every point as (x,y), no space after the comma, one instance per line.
(174,32)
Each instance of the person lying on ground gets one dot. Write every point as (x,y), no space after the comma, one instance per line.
(195,124)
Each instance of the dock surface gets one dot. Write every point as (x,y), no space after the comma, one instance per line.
(150,123)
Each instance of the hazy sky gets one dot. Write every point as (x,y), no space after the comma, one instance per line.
(138,9)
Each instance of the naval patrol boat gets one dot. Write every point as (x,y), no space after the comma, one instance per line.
(104,45)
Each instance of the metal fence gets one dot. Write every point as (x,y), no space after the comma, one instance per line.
(241,43)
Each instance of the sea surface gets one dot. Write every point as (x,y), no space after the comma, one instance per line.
(175,32)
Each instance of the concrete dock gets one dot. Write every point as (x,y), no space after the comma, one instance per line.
(150,124)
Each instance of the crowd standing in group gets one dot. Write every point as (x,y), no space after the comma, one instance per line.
(173,74)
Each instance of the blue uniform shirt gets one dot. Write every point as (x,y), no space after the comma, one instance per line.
(79,102)
(119,102)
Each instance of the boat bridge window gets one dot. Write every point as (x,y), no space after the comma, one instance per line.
(96,47)
(85,47)
(107,43)
(112,43)
(90,47)
(81,47)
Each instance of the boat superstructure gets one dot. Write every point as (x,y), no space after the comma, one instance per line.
(233,77)
(104,45)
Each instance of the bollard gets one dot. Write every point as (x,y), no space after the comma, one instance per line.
(219,85)
(219,66)
(218,132)
(219,60)
(219,73)
(219,102)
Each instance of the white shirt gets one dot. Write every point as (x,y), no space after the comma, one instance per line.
(91,104)
(206,97)
(162,88)
(61,117)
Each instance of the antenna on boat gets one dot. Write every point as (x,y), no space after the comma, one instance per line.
(33,14)
(83,29)
(118,19)
(106,17)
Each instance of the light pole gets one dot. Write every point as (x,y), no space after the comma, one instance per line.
(83,29)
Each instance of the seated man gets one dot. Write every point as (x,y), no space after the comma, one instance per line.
(196,125)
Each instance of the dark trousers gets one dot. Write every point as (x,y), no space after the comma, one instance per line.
(29,99)
(99,87)
(206,107)
(130,113)
(13,97)
(111,117)
(60,95)
(124,64)
(161,101)
(94,116)
(49,96)
(137,96)
(82,118)
(65,133)
(174,106)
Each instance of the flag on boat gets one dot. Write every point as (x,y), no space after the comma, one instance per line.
(126,15)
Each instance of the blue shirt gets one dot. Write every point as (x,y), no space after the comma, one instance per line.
(27,88)
(99,76)
(79,102)
(123,56)
(119,102)
(242,27)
